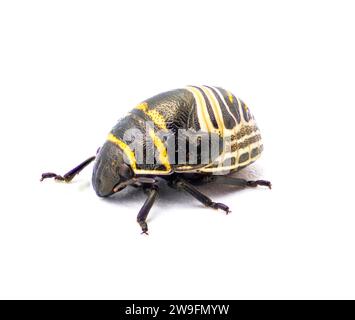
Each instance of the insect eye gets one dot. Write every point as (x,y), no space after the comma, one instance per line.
(125,171)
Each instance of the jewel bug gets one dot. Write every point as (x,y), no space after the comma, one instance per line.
(184,136)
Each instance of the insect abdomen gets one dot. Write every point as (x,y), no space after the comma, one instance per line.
(236,125)
(205,109)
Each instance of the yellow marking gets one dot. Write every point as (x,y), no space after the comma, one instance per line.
(142,106)
(239,108)
(201,105)
(185,168)
(132,158)
(230,96)
(216,108)
(247,111)
(163,153)
(220,168)
(152,172)
(156,117)
(233,167)
(224,101)
(125,148)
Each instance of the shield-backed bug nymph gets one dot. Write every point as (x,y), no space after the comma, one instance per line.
(198,133)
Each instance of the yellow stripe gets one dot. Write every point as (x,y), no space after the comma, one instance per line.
(163,153)
(248,149)
(230,96)
(216,108)
(156,117)
(132,158)
(239,107)
(125,148)
(152,172)
(237,165)
(202,106)
(222,97)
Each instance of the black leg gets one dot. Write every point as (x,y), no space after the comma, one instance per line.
(184,185)
(143,213)
(237,181)
(70,174)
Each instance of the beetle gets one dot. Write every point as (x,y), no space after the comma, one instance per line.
(184,136)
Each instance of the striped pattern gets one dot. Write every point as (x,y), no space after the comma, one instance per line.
(210,109)
(159,149)
(154,115)
(162,150)
(126,150)
(236,125)
(204,115)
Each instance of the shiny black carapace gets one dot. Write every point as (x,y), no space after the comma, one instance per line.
(166,137)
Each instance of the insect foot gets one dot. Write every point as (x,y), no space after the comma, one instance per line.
(144,227)
(221,206)
(259,183)
(48,175)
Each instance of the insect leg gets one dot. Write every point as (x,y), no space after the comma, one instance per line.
(237,181)
(184,185)
(70,174)
(143,213)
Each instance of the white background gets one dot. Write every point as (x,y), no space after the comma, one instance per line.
(70,69)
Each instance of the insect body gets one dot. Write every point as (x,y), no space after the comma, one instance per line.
(195,133)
